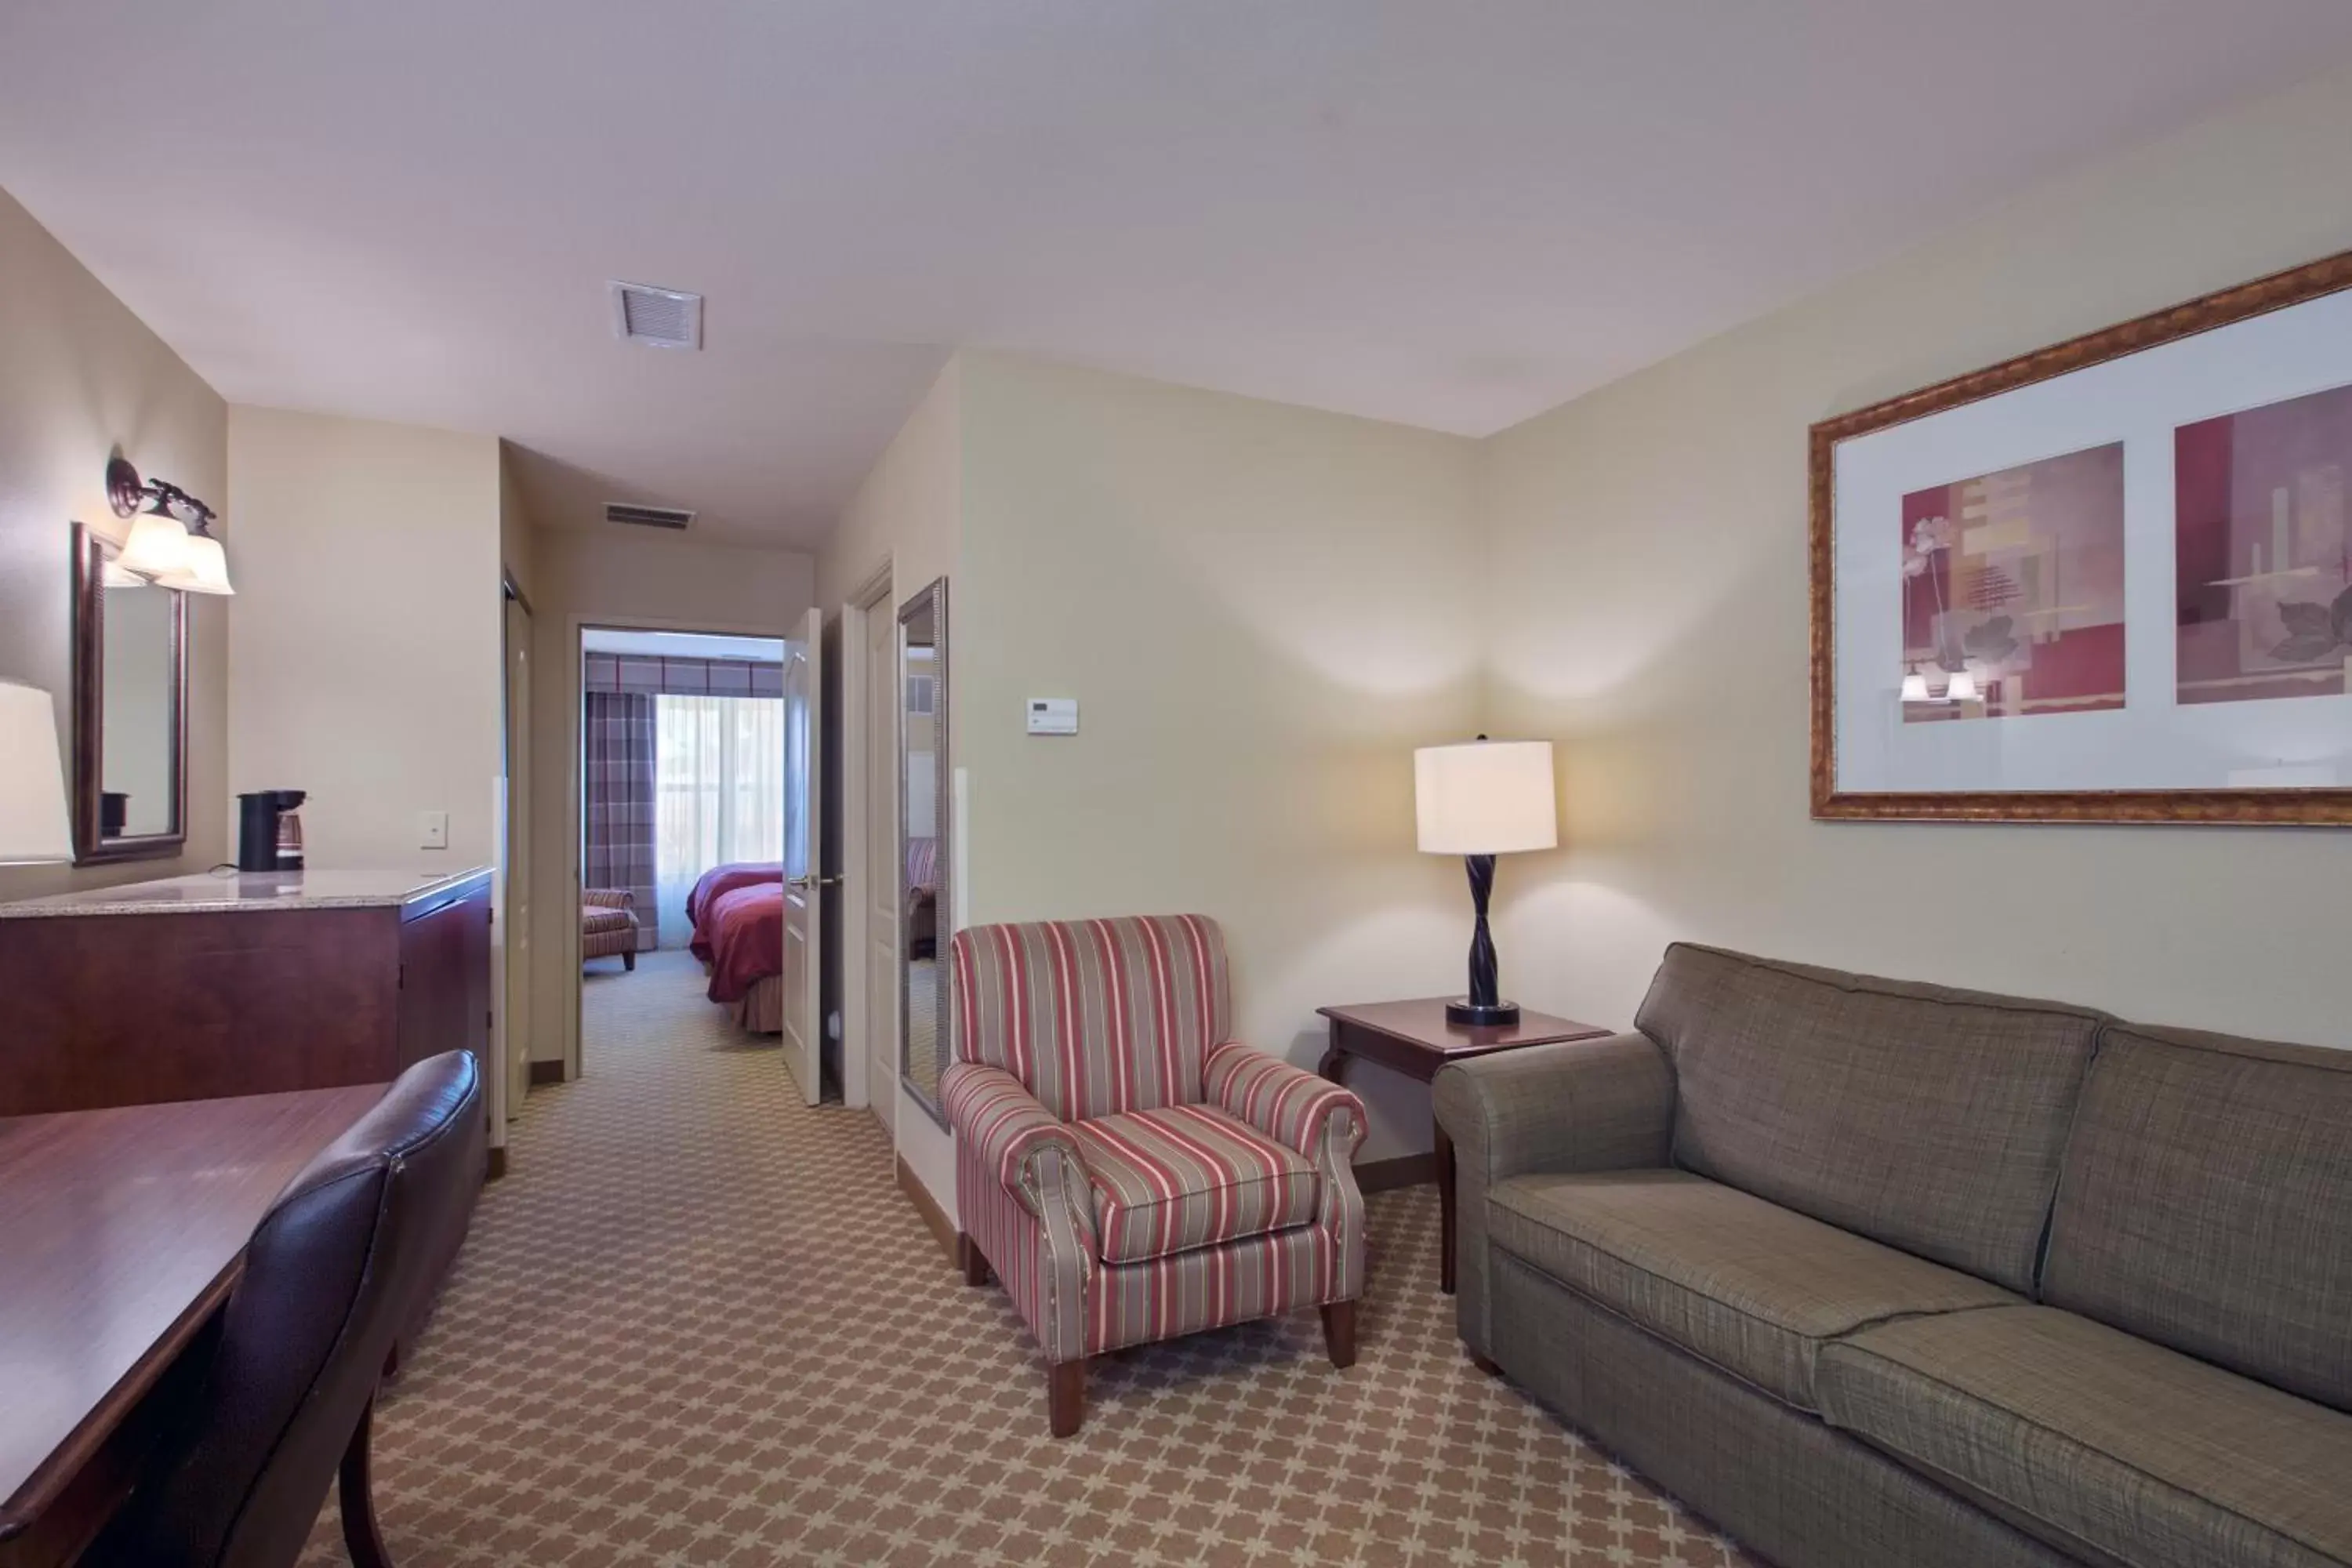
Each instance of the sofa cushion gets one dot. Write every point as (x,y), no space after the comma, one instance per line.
(1182,1176)
(2206,1204)
(2104,1445)
(596,918)
(1752,1287)
(1928,1118)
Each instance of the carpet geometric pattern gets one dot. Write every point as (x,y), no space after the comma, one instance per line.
(697,1324)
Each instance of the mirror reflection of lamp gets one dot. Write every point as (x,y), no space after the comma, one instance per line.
(1963,687)
(1914,685)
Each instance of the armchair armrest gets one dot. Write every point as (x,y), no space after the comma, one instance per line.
(1583,1105)
(1289,1104)
(609,898)
(1028,1147)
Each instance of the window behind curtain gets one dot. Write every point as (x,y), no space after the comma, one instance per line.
(718,793)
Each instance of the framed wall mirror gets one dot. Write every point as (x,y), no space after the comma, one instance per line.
(130,709)
(925,814)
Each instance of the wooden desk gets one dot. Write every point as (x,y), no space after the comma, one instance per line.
(121,1232)
(1414,1038)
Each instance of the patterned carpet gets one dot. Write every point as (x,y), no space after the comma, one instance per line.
(699,1325)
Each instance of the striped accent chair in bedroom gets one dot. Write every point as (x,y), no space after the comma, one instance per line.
(1128,1170)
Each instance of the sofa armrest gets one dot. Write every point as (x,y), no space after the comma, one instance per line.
(608,898)
(1029,1148)
(1306,1114)
(1581,1105)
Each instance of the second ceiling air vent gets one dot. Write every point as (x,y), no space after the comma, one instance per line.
(659,318)
(646,515)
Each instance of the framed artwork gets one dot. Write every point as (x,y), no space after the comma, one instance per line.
(2110,581)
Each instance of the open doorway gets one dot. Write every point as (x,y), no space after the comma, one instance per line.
(694,811)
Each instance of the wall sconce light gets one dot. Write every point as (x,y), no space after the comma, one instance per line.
(171,542)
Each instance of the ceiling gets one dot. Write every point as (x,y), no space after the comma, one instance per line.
(1452,215)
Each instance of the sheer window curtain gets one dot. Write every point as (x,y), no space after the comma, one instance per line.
(718,793)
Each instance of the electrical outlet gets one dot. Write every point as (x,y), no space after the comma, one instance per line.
(433,830)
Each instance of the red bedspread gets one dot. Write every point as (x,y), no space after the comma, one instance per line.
(719,881)
(746,930)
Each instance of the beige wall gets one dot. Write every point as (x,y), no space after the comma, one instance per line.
(364,662)
(908,516)
(80,376)
(1650,612)
(1261,610)
(617,576)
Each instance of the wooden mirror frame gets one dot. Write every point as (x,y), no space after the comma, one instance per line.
(932,598)
(91,552)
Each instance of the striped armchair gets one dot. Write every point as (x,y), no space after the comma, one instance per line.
(1129,1172)
(608,925)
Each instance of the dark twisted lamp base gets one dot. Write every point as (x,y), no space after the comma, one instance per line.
(1483,1006)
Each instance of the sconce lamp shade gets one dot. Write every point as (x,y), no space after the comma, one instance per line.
(1485,797)
(157,544)
(203,569)
(32,824)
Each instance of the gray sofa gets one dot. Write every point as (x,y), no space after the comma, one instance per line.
(1874,1273)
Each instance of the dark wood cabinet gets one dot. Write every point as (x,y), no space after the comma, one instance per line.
(102,1007)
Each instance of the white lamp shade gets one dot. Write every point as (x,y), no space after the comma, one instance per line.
(1487,797)
(157,544)
(203,569)
(32,825)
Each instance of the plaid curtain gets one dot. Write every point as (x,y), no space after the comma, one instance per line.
(620,803)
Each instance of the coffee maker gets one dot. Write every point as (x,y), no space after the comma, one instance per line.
(269,830)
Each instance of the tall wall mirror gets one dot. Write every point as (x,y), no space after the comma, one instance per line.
(925,816)
(130,709)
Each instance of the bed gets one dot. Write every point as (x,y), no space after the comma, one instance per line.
(738,911)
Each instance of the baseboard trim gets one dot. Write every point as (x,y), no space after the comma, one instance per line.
(942,1229)
(543,1073)
(1404,1171)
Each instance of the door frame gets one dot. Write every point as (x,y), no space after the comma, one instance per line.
(518,977)
(575,784)
(877,592)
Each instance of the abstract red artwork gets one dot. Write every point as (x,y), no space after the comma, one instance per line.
(2013,591)
(2264,550)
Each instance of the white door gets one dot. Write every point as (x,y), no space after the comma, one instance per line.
(516,942)
(803,1028)
(883,870)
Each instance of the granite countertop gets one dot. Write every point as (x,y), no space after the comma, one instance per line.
(212,894)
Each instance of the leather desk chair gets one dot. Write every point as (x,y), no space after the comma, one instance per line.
(343,1264)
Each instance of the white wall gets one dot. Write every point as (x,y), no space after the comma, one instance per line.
(617,576)
(1262,610)
(1650,611)
(81,376)
(908,516)
(364,662)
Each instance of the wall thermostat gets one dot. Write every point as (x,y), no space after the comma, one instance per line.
(1053,715)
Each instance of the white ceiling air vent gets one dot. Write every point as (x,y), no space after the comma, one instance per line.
(646,515)
(659,318)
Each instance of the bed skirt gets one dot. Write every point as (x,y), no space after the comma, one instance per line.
(762,1009)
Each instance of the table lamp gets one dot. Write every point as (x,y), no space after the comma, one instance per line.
(1480,800)
(32,825)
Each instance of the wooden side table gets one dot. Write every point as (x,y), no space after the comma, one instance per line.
(1414,1038)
